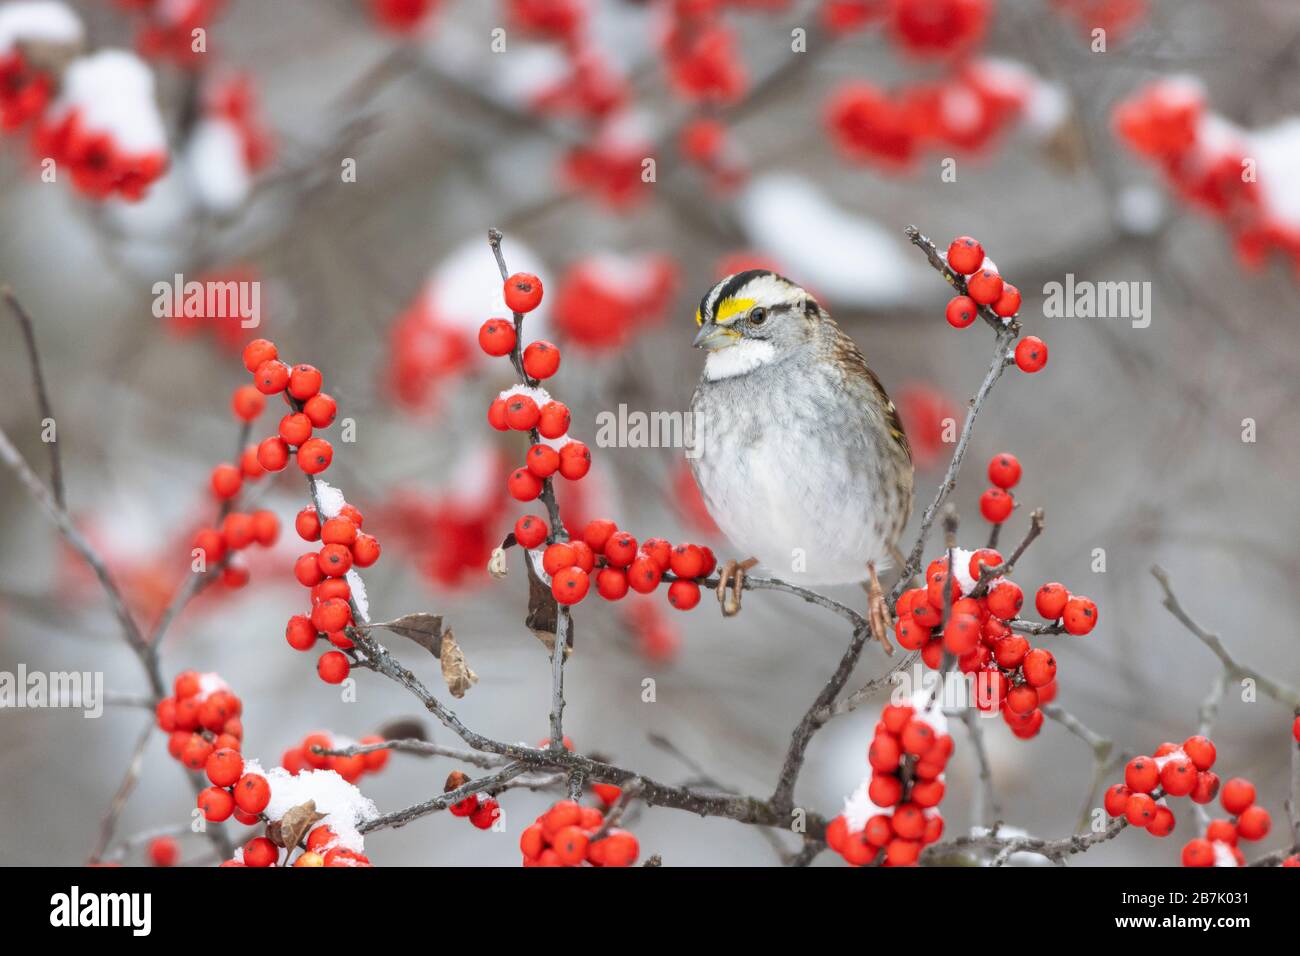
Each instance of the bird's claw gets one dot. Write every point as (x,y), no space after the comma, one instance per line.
(731,582)
(878,616)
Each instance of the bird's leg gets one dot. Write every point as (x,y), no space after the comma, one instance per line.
(733,574)
(878,615)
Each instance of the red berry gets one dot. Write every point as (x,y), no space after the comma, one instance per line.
(1039,667)
(1238,794)
(885,790)
(247,402)
(989,557)
(1198,852)
(1200,751)
(226,481)
(584,557)
(1079,616)
(1141,809)
(333,667)
(965,255)
(521,412)
(570,585)
(1254,823)
(1031,354)
(643,574)
(557,557)
(365,550)
(1008,303)
(338,530)
(683,595)
(299,633)
(497,337)
(224,767)
(304,382)
(687,561)
(217,804)
(542,460)
(620,549)
(307,570)
(985,287)
(273,453)
(1207,787)
(295,428)
(523,292)
(260,851)
(597,533)
(541,359)
(271,377)
(961,634)
(1221,831)
(335,560)
(553,420)
(1010,651)
(1178,776)
(332,614)
(486,814)
(611,583)
(531,530)
(315,455)
(1004,470)
(163,851)
(258,351)
(1050,600)
(266,527)
(575,460)
(496,415)
(996,505)
(320,410)
(252,793)
(961,311)
(1005,599)
(1141,775)
(523,485)
(661,550)
(1162,824)
(1116,799)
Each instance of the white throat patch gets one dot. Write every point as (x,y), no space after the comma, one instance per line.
(745,356)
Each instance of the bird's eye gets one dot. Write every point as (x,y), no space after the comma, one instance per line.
(757,315)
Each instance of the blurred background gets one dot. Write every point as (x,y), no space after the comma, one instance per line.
(350,156)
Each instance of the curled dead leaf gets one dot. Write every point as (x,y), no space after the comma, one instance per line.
(297,822)
(423,628)
(455,671)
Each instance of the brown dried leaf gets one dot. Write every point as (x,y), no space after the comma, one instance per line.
(296,823)
(424,629)
(455,671)
(544,611)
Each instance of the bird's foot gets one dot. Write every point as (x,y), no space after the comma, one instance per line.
(878,616)
(731,581)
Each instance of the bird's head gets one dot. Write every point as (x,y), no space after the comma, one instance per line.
(751,318)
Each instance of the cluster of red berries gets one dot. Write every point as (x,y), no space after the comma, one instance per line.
(618,563)
(985,287)
(25,89)
(997,503)
(563,836)
(1183,770)
(167,30)
(322,849)
(482,810)
(1202,157)
(1010,674)
(309,409)
(907,755)
(353,768)
(238,530)
(203,719)
(343,546)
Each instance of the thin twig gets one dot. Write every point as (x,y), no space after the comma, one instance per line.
(42,394)
(124,790)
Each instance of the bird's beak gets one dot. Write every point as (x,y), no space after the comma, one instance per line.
(714,337)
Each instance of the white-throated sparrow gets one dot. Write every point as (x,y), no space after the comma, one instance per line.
(800,454)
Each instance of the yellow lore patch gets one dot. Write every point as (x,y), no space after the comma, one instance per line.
(728,310)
